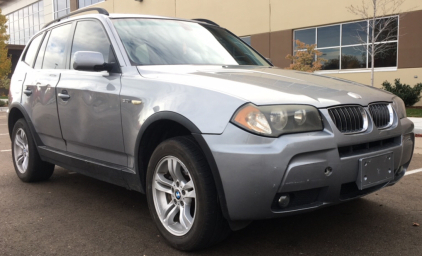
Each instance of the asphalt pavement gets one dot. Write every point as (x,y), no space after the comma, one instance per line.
(76,215)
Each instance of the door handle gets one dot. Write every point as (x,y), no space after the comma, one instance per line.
(28,92)
(63,95)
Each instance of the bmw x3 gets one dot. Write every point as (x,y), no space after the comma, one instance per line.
(187,113)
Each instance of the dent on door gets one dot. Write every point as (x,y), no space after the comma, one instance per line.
(89,110)
(39,100)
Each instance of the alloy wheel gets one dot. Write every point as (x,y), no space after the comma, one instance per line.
(21,150)
(174,195)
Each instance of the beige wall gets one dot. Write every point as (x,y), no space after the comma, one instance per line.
(48,11)
(12,6)
(241,18)
(293,14)
(155,7)
(247,17)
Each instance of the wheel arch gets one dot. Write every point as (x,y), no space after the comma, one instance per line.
(144,138)
(16,112)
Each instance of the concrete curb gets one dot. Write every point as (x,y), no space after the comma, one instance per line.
(4,109)
(418,124)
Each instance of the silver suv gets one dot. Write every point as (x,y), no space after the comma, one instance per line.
(187,113)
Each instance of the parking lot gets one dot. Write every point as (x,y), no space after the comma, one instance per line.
(75,215)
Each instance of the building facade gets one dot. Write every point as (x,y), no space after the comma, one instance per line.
(270,26)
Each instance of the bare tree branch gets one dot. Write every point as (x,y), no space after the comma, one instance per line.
(381,27)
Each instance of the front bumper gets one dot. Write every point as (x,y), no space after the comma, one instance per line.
(256,170)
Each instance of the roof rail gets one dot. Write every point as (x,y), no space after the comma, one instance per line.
(207,21)
(99,10)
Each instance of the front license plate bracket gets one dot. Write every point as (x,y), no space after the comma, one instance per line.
(375,170)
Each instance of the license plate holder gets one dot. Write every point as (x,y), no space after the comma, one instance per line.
(375,170)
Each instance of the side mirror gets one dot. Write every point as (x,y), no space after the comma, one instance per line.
(90,61)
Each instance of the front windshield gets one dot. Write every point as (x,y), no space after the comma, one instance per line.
(173,42)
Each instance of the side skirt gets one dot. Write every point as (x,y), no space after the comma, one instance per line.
(111,173)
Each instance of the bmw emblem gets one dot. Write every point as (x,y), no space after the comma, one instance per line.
(177,194)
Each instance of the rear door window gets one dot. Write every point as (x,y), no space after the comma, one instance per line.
(55,52)
(40,56)
(31,53)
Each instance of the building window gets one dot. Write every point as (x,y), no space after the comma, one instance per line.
(85,3)
(24,23)
(246,39)
(345,46)
(61,8)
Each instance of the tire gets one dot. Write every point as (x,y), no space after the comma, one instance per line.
(28,165)
(198,196)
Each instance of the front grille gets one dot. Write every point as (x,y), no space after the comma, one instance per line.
(382,114)
(349,119)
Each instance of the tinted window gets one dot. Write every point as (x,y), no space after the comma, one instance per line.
(332,57)
(90,36)
(55,53)
(353,57)
(387,57)
(353,33)
(40,56)
(329,36)
(385,29)
(32,50)
(306,36)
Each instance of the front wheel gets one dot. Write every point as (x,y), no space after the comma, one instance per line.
(182,197)
(28,164)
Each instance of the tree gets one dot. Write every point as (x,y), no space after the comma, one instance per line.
(5,63)
(379,30)
(306,58)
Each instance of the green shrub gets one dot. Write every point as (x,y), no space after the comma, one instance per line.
(2,103)
(409,95)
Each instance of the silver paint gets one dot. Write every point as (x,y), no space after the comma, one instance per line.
(90,119)
(41,105)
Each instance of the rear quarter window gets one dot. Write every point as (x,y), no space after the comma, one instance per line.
(31,53)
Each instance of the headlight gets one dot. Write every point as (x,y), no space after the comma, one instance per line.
(399,107)
(274,121)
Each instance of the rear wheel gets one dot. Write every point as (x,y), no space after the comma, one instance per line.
(28,165)
(182,197)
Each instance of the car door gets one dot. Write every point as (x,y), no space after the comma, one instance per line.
(39,97)
(89,103)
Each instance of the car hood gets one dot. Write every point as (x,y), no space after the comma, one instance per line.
(269,85)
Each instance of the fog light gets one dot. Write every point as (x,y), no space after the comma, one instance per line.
(284,201)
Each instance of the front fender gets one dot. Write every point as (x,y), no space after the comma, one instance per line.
(196,133)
